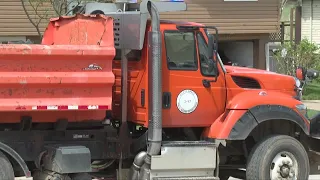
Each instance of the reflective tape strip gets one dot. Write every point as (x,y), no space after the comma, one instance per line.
(70,107)
(73,107)
(52,107)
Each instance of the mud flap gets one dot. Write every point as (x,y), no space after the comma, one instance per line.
(314,160)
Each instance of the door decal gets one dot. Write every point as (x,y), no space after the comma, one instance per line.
(187,101)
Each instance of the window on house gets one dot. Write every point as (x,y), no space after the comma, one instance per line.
(180,50)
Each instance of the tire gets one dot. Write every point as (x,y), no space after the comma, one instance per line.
(274,153)
(224,177)
(81,176)
(6,169)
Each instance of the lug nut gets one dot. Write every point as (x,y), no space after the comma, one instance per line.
(288,161)
(291,175)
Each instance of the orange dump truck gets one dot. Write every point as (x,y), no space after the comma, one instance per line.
(115,92)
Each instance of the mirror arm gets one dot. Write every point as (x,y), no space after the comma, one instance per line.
(207,83)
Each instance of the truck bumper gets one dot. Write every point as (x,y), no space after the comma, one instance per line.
(315,126)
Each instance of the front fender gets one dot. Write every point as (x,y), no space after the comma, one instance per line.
(221,127)
(249,99)
(244,114)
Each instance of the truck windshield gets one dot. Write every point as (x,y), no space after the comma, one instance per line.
(181,50)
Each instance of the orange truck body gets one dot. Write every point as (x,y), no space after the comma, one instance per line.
(73,75)
(62,101)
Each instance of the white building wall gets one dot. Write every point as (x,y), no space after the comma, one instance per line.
(310,20)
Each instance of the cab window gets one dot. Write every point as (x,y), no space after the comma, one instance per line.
(203,56)
(180,50)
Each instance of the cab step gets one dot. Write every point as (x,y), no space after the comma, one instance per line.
(187,160)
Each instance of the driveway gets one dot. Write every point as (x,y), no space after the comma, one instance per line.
(312,104)
(313,177)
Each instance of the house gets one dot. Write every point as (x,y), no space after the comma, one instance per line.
(310,20)
(14,23)
(244,25)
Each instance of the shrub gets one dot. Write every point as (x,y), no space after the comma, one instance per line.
(291,56)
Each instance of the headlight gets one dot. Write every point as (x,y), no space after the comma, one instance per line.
(298,82)
(302,109)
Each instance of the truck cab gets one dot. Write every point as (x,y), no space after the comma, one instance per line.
(196,91)
(189,79)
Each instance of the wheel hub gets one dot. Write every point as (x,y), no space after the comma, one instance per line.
(284,171)
(284,167)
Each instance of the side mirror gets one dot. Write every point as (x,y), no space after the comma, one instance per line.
(300,73)
(312,74)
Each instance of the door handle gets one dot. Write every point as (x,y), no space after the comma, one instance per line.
(166,100)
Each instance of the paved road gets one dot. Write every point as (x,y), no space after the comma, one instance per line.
(317,177)
(312,104)
(311,178)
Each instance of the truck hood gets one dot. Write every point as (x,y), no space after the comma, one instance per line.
(267,80)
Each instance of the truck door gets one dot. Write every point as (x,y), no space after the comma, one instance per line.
(186,101)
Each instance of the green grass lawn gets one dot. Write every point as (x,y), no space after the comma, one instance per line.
(312,91)
(312,112)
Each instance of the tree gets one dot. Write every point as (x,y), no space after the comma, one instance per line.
(290,56)
(40,11)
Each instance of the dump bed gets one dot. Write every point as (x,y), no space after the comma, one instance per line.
(70,71)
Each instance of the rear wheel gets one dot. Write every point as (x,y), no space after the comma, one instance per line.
(225,174)
(278,157)
(81,176)
(6,169)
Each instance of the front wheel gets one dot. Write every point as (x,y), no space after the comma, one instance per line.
(278,157)
(6,169)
